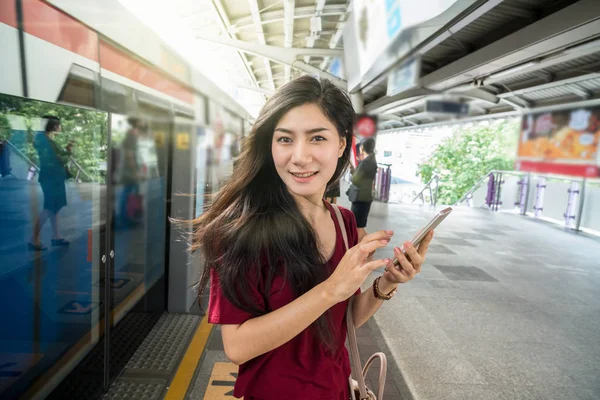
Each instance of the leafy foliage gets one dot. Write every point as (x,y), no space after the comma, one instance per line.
(468,155)
(87,130)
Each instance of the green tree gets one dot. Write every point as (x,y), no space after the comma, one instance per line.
(468,155)
(4,128)
(87,130)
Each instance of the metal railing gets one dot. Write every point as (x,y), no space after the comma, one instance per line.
(516,191)
(432,199)
(80,171)
(34,169)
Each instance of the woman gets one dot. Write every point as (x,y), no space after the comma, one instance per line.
(333,192)
(360,192)
(53,173)
(280,277)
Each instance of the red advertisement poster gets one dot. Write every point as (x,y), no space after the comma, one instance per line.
(561,142)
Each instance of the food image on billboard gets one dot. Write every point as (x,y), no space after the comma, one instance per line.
(561,135)
(557,141)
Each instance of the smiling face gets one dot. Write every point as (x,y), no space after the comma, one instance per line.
(306,147)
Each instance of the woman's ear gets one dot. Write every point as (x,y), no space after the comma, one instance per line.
(342,147)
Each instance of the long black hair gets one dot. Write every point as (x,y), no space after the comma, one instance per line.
(254,219)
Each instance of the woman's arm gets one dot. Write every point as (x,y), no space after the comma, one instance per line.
(257,336)
(262,334)
(366,304)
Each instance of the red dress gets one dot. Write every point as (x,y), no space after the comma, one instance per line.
(301,368)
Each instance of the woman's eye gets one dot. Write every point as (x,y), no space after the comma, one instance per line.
(318,138)
(284,140)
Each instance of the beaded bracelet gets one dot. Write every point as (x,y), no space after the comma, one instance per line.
(378,294)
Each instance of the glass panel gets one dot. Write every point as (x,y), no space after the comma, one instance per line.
(510,192)
(556,198)
(51,238)
(140,155)
(591,206)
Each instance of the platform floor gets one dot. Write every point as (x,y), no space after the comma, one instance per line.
(506,307)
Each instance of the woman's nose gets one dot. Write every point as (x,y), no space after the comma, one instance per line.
(301,154)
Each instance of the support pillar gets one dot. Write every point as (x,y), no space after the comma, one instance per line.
(538,207)
(358,102)
(571,205)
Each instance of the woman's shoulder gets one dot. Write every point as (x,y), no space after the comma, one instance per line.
(348,215)
(350,222)
(345,212)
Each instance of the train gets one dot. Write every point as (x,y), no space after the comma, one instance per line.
(108,77)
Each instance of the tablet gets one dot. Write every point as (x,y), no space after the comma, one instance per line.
(431,225)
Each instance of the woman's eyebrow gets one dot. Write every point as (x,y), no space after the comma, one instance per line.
(314,130)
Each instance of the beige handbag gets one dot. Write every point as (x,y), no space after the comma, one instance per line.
(358,388)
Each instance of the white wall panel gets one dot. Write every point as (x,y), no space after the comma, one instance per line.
(10,62)
(48,66)
(114,21)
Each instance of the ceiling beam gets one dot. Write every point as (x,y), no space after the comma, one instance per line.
(572,53)
(579,91)
(549,85)
(507,114)
(283,55)
(288,31)
(267,92)
(379,71)
(574,23)
(335,39)
(260,35)
(279,15)
(388,102)
(310,40)
(520,104)
(225,25)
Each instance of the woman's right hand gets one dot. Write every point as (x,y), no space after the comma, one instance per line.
(354,268)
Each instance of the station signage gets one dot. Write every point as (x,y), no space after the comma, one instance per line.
(379,33)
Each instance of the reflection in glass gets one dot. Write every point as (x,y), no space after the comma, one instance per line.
(140,153)
(52,165)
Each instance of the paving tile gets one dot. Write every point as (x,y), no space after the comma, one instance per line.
(438,249)
(455,242)
(476,236)
(465,274)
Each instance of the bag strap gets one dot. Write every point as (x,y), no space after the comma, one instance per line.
(353,343)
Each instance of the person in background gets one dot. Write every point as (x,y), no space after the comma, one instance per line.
(361,190)
(273,251)
(333,192)
(130,204)
(5,170)
(53,173)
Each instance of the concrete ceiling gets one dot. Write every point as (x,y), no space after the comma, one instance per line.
(500,56)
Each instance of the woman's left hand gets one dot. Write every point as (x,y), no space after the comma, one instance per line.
(409,266)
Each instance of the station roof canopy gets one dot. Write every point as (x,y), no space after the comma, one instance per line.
(500,57)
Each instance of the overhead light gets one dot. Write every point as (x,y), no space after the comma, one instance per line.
(513,70)
(315,24)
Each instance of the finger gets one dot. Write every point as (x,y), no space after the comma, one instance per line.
(415,258)
(396,274)
(379,235)
(373,265)
(404,266)
(425,244)
(368,248)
